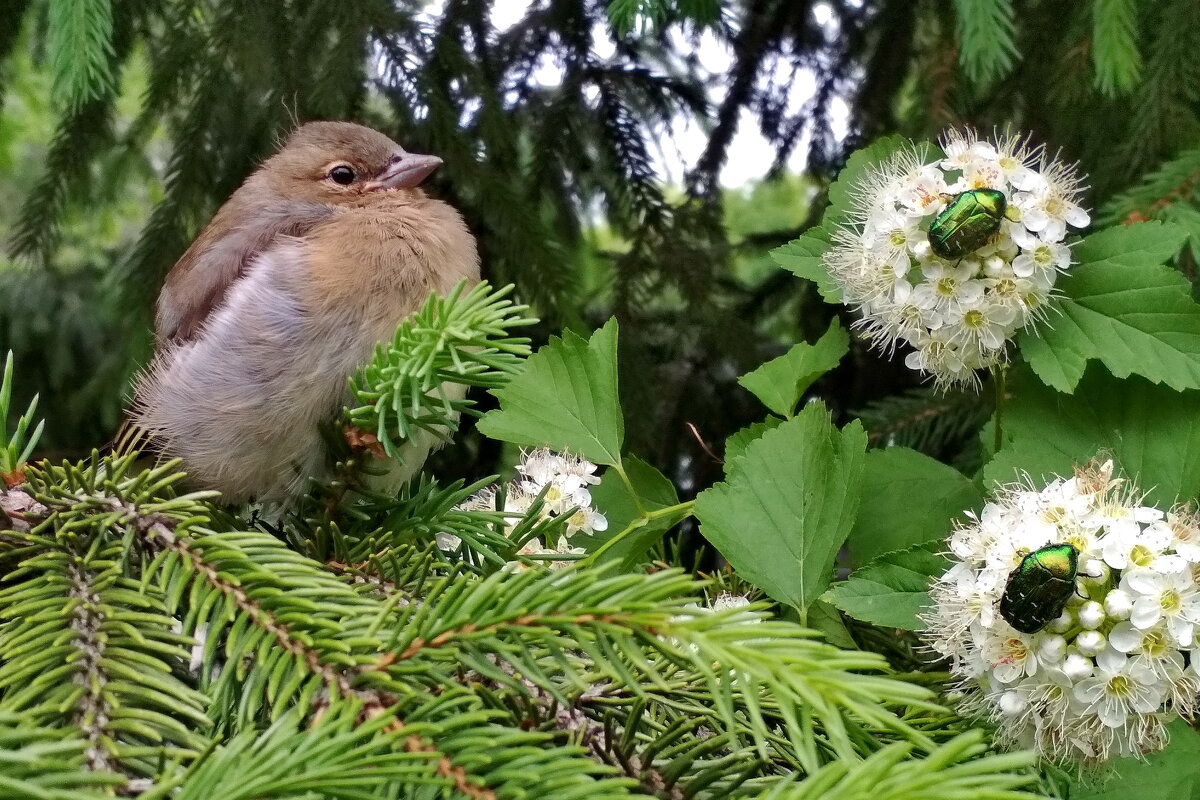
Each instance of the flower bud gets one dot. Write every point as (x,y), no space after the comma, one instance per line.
(994,266)
(1052,649)
(1063,623)
(1090,643)
(1076,667)
(1118,604)
(1013,703)
(1095,575)
(1091,615)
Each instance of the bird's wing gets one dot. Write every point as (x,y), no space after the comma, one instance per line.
(199,281)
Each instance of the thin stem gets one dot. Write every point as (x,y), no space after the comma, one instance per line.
(637,500)
(638,523)
(998,381)
(684,508)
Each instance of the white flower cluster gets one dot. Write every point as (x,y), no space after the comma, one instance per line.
(956,313)
(1120,662)
(565,480)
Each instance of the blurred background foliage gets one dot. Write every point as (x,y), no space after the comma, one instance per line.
(123,126)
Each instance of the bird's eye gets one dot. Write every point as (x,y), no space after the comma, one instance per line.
(342,175)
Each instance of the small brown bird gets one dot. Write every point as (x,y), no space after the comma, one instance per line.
(320,254)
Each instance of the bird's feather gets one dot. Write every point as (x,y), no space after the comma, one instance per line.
(312,261)
(242,400)
(201,279)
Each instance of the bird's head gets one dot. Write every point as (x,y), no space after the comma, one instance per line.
(343,164)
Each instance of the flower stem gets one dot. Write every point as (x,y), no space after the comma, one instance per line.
(638,523)
(637,500)
(998,381)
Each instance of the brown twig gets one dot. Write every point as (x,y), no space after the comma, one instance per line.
(703,444)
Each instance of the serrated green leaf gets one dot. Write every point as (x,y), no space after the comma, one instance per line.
(802,257)
(908,499)
(1152,432)
(1138,245)
(566,399)
(1122,307)
(736,444)
(787,505)
(857,166)
(782,381)
(1169,774)
(892,590)
(654,491)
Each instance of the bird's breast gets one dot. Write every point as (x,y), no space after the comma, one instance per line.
(386,258)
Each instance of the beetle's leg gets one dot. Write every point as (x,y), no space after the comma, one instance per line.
(1085,575)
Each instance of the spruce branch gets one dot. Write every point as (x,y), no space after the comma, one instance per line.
(461,339)
(82,646)
(958,769)
(923,419)
(48,764)
(1115,52)
(92,709)
(80,49)
(986,30)
(1175,182)
(444,668)
(422,509)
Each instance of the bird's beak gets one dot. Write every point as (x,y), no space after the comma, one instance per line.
(405,172)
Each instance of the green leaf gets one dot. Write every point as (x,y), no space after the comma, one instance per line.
(654,491)
(892,589)
(1122,307)
(908,499)
(1152,432)
(736,444)
(566,399)
(1169,774)
(860,163)
(802,257)
(787,505)
(826,619)
(782,381)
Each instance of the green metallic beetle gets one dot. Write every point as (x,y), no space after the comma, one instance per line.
(967,222)
(1038,589)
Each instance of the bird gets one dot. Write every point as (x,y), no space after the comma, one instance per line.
(312,261)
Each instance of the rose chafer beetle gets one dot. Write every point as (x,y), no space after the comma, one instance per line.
(967,222)
(1039,588)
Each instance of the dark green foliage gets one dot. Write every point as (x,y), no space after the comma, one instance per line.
(986,34)
(80,47)
(148,644)
(530,160)
(344,654)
